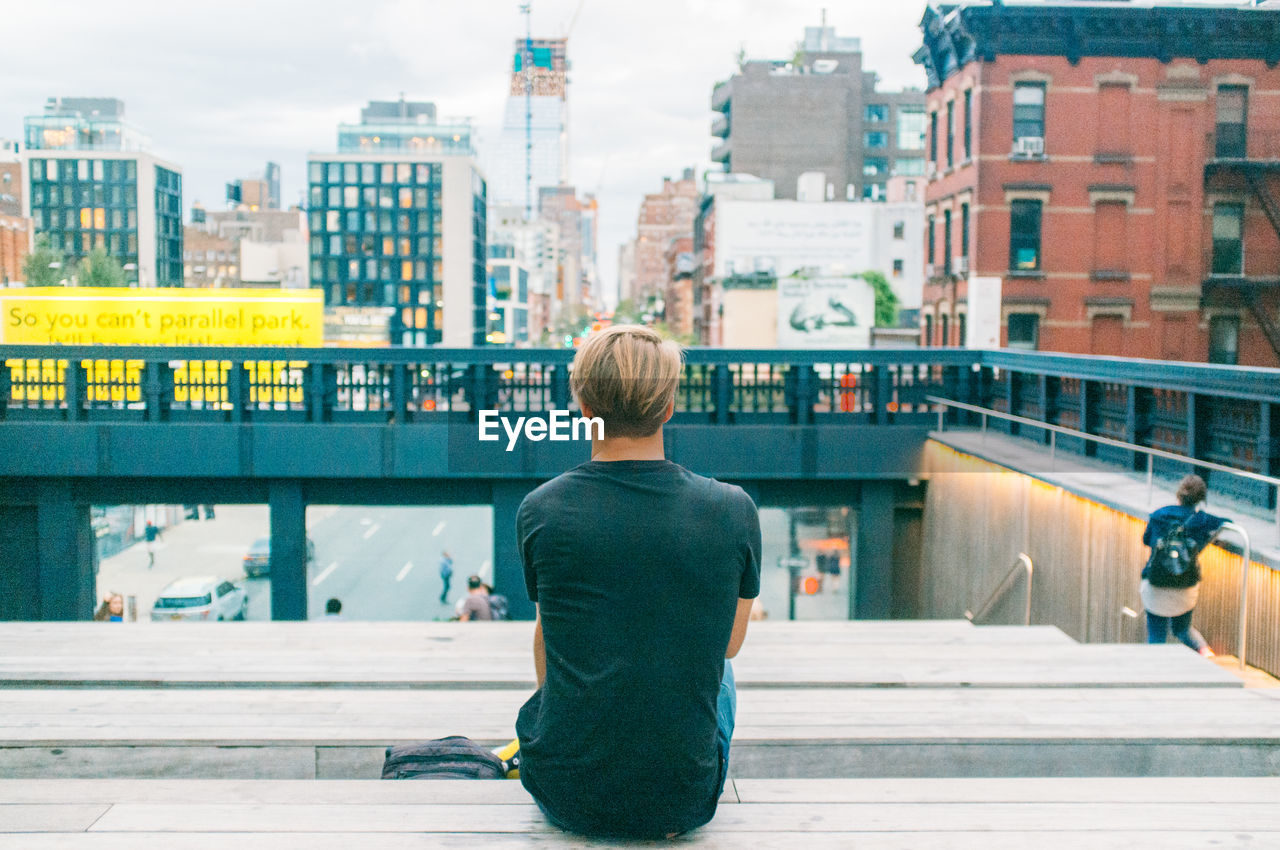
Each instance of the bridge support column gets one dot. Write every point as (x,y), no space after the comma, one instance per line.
(508,571)
(873,597)
(288,551)
(48,561)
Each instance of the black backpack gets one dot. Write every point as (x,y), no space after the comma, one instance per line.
(1173,559)
(454,757)
(497,606)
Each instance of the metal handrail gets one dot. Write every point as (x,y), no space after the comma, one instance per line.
(1022,564)
(1243,636)
(1151,453)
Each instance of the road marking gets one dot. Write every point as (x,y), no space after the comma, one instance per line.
(324,575)
(372,530)
(404,572)
(439,528)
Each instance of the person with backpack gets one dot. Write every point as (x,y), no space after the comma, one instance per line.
(1171,577)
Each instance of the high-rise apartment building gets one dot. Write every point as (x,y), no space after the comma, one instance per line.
(92,181)
(534,126)
(664,215)
(818,112)
(397,219)
(257,193)
(578,286)
(1120,190)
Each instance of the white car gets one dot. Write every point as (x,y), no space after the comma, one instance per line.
(200,598)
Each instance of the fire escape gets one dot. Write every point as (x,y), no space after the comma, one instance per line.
(1236,164)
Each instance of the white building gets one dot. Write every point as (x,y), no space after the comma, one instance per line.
(536,114)
(780,238)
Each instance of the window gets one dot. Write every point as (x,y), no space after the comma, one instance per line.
(1024,330)
(909,166)
(876,113)
(960,329)
(899,230)
(944,330)
(968,124)
(933,137)
(874,192)
(1111,238)
(1233,105)
(951,133)
(928,330)
(875,166)
(911,128)
(1024,235)
(1224,340)
(875,139)
(929,244)
(1028,110)
(964,230)
(1228,248)
(946,240)
(897,268)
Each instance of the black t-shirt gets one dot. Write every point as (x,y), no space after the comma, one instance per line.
(637,567)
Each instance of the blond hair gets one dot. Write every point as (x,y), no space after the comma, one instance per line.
(627,375)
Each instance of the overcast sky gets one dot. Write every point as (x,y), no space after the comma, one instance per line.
(222,87)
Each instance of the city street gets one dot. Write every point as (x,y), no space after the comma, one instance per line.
(383,563)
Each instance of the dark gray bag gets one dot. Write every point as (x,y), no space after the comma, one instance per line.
(454,757)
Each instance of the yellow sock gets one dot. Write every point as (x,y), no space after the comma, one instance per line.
(506,753)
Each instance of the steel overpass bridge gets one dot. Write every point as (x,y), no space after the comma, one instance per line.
(82,426)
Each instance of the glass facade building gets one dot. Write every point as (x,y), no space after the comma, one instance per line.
(128,204)
(377,228)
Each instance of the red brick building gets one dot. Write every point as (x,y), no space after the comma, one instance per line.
(663,216)
(1117,167)
(15,244)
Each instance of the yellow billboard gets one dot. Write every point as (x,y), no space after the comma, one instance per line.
(108,316)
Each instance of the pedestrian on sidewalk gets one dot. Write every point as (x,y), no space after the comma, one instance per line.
(446,573)
(476,604)
(1171,577)
(111,610)
(152,534)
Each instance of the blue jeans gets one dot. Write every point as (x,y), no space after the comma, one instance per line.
(726,711)
(1158,630)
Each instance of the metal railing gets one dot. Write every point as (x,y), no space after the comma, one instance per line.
(1242,639)
(1150,453)
(1023,564)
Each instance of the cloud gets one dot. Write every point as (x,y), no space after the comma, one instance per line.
(222,88)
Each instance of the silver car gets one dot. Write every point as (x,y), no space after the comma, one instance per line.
(200,598)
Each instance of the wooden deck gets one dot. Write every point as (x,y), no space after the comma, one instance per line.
(879,735)
(920,814)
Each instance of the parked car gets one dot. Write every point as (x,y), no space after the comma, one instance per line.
(201,598)
(257,561)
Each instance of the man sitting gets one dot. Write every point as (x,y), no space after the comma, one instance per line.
(643,574)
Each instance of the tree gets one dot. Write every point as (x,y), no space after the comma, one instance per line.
(100,269)
(43,266)
(886,299)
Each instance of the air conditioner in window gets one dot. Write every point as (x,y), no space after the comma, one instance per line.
(929,270)
(1028,146)
(930,170)
(961,265)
